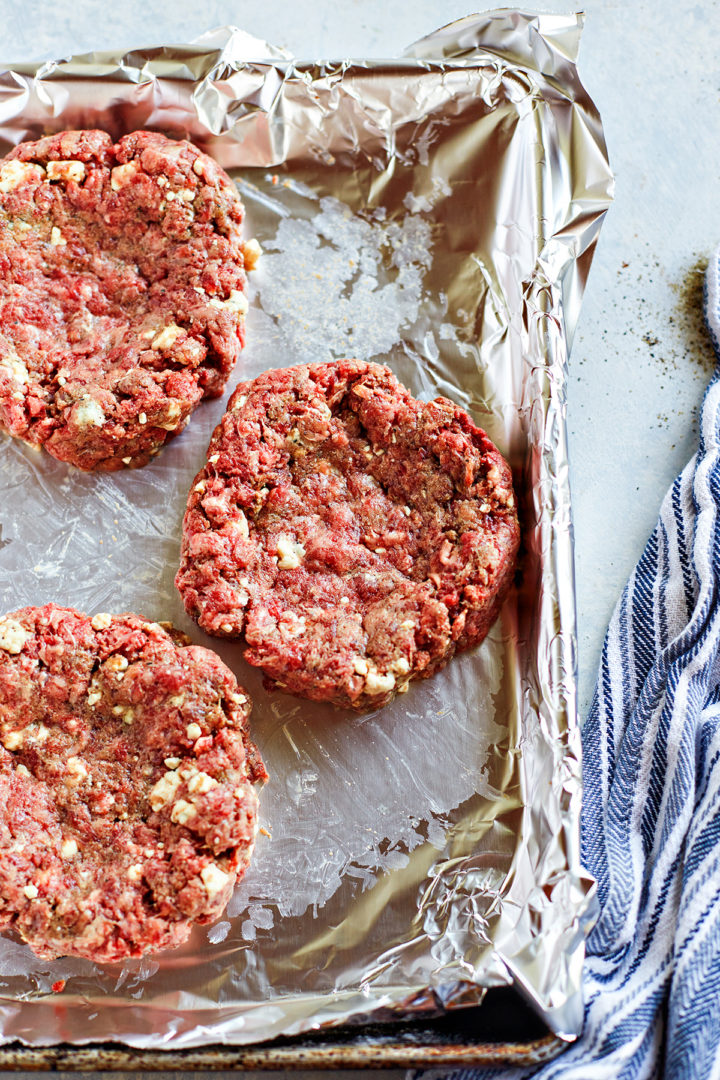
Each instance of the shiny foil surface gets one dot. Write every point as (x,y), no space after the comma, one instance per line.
(437,212)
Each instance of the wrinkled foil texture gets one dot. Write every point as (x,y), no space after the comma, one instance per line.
(438,213)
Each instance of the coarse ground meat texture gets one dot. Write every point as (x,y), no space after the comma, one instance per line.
(122,292)
(127,806)
(356,537)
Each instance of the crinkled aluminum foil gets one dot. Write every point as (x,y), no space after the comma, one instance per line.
(438,212)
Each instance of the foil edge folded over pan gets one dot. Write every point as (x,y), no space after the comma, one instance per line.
(505,87)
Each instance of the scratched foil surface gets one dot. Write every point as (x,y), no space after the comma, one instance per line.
(437,212)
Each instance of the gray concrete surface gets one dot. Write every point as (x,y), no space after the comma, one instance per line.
(641,357)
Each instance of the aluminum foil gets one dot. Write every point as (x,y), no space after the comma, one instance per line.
(437,212)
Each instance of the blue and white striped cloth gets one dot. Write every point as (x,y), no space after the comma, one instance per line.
(651,812)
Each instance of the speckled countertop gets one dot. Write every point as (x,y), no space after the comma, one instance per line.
(641,356)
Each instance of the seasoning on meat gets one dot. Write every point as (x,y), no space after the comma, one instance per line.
(122,292)
(127,806)
(355,536)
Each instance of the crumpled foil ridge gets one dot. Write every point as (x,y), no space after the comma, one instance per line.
(437,212)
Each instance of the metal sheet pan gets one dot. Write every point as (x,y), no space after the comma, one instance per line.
(502,1031)
(437,212)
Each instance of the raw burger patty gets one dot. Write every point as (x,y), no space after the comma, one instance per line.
(127,810)
(355,536)
(122,278)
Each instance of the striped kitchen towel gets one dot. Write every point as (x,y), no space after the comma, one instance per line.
(651,811)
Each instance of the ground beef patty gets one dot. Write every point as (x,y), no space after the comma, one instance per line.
(122,303)
(127,810)
(355,536)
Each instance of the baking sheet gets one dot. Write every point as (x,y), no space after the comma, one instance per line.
(438,213)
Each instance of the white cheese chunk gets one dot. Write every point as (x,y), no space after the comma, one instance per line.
(116,662)
(240,525)
(12,635)
(167,336)
(214,879)
(200,782)
(76,771)
(251,254)
(121,175)
(68,848)
(236,303)
(164,790)
(88,413)
(66,170)
(182,812)
(18,370)
(376,683)
(290,553)
(15,173)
